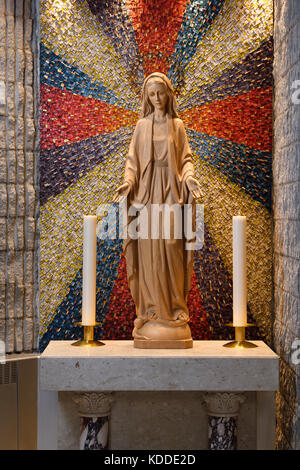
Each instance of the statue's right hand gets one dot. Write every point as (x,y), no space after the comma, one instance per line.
(122,191)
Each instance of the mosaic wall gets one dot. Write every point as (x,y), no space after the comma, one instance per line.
(94,57)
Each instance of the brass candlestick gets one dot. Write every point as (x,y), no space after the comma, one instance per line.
(88,336)
(240,341)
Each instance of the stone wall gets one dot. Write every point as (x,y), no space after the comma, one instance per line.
(286,206)
(18,174)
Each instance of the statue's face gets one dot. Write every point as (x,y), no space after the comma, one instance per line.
(157,95)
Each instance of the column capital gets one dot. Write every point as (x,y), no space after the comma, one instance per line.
(93,404)
(223,403)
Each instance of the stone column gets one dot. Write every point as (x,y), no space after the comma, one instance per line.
(286,213)
(18,175)
(94,409)
(222,409)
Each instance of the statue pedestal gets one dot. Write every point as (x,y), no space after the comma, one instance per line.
(207,367)
(155,335)
(163,344)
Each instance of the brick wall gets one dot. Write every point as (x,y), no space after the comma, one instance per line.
(286,207)
(18,174)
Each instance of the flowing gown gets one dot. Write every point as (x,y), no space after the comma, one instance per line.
(159,269)
(161,264)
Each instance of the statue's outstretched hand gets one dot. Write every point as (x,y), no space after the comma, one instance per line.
(121,192)
(194,187)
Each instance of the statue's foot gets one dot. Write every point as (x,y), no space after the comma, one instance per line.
(158,335)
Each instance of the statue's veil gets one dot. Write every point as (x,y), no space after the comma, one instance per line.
(147,107)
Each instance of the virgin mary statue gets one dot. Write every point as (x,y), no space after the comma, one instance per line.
(159,173)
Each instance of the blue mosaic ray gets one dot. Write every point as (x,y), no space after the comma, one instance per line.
(62,166)
(198,17)
(62,327)
(58,73)
(250,169)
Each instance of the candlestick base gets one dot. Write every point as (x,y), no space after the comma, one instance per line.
(81,342)
(240,345)
(88,336)
(240,341)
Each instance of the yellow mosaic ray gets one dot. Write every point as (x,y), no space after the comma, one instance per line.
(239,28)
(61,230)
(70,30)
(224,199)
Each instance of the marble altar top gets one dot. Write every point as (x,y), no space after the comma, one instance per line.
(118,366)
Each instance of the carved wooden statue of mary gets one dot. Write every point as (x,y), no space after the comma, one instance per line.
(159,173)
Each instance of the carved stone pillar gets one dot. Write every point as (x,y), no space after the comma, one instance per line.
(94,410)
(223,409)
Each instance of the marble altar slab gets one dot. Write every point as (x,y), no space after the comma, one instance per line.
(118,366)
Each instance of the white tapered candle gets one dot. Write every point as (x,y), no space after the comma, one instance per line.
(89,270)
(239,271)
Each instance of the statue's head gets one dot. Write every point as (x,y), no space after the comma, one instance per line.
(162,80)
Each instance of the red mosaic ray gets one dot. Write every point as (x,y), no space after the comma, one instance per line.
(245,119)
(198,317)
(121,314)
(68,118)
(156,25)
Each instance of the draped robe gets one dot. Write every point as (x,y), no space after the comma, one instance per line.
(158,271)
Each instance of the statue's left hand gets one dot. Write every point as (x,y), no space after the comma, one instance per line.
(194,187)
